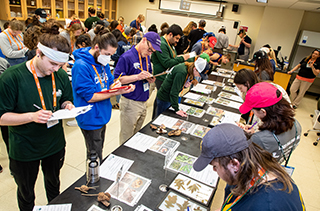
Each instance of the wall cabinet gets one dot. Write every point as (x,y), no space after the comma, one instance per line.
(58,9)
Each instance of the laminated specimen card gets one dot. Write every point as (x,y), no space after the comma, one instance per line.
(182,163)
(215,111)
(200,131)
(174,123)
(231,96)
(194,102)
(193,111)
(230,89)
(129,189)
(228,103)
(176,202)
(203,88)
(192,188)
(163,145)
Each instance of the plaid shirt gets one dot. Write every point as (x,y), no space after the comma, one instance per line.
(137,37)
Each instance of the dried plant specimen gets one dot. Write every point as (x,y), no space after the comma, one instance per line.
(171,201)
(179,183)
(184,206)
(194,187)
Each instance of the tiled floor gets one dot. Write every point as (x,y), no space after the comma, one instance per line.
(305,159)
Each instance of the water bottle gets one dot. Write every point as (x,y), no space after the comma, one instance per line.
(93,167)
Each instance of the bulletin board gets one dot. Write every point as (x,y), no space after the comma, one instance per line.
(158,17)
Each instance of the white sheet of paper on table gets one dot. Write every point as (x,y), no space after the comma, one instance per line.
(111,166)
(192,96)
(140,142)
(67,114)
(53,207)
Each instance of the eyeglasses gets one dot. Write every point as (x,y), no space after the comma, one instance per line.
(150,49)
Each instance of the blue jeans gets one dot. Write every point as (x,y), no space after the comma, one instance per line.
(14,61)
(162,106)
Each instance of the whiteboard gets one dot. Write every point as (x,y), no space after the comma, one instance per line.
(158,17)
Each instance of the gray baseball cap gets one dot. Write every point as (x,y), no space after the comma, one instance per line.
(222,140)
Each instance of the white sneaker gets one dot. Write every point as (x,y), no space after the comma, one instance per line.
(72,123)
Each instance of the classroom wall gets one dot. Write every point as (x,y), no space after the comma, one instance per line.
(279,27)
(310,21)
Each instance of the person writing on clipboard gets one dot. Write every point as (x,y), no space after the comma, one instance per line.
(34,140)
(90,75)
(134,66)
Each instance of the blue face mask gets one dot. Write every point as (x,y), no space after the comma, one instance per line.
(42,20)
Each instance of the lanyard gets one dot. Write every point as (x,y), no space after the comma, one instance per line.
(253,182)
(281,148)
(174,54)
(14,40)
(101,84)
(39,88)
(140,60)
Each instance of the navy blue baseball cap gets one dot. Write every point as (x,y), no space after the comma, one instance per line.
(154,39)
(222,140)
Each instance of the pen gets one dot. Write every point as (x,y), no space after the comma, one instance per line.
(252,125)
(116,80)
(38,107)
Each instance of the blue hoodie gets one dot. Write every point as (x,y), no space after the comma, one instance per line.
(85,83)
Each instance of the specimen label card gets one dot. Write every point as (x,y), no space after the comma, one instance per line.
(112,165)
(140,142)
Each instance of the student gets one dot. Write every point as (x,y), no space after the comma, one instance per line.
(31,40)
(196,34)
(83,41)
(181,76)
(11,43)
(271,55)
(259,182)
(33,140)
(137,22)
(279,132)
(122,45)
(120,26)
(71,34)
(90,74)
(92,18)
(244,45)
(184,44)
(263,67)
(309,69)
(134,66)
(222,41)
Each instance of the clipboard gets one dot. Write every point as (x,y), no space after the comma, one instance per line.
(113,89)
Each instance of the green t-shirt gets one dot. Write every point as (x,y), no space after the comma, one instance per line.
(18,93)
(89,21)
(172,85)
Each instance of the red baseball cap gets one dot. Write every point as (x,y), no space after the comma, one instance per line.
(260,95)
(212,41)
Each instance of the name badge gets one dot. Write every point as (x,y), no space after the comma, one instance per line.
(52,123)
(288,169)
(145,86)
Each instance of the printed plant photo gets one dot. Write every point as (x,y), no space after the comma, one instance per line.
(200,131)
(215,111)
(163,145)
(194,102)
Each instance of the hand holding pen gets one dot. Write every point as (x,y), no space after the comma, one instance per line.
(41,116)
(247,128)
(117,83)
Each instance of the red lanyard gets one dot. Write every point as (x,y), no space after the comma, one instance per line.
(312,62)
(253,182)
(39,87)
(174,54)
(141,67)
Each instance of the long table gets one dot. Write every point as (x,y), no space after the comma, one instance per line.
(148,164)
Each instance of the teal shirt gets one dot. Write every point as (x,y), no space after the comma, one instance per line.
(165,60)
(18,93)
(172,85)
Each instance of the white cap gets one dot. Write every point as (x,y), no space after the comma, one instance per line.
(200,64)
(265,49)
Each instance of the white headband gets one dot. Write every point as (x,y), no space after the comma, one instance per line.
(57,56)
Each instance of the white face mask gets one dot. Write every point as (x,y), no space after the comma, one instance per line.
(42,20)
(104,59)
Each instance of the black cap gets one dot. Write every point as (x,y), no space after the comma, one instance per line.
(241,31)
(41,12)
(259,55)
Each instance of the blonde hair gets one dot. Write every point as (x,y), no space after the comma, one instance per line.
(141,17)
(120,19)
(273,56)
(74,17)
(188,28)
(74,27)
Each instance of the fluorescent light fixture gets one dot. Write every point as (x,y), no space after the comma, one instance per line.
(262,1)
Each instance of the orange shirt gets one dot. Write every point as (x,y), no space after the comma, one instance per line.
(120,28)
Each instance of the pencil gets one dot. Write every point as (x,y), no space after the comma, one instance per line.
(116,80)
(252,125)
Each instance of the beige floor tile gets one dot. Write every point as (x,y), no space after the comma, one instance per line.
(8,202)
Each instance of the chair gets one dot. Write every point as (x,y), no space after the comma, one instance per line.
(316,126)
